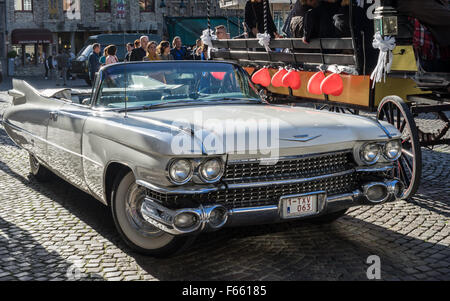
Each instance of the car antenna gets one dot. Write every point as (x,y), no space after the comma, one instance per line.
(126,77)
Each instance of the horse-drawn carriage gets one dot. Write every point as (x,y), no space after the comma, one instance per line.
(398,96)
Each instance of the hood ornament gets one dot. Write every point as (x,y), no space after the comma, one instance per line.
(301,138)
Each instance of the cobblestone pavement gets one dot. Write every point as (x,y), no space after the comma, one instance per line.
(53,231)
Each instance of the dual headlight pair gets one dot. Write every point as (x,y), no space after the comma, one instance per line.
(209,171)
(370,153)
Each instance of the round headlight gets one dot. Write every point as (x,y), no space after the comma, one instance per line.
(393,150)
(211,170)
(370,153)
(180,171)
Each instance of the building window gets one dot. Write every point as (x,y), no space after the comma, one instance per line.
(103,5)
(147,5)
(23,5)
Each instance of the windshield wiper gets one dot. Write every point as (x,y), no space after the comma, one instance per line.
(148,107)
(199,100)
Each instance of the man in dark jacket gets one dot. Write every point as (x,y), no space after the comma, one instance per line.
(179,52)
(297,16)
(254,18)
(94,61)
(318,22)
(138,54)
(130,48)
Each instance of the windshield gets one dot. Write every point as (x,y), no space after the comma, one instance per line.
(158,83)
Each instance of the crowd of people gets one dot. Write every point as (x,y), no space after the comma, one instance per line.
(145,50)
(308,19)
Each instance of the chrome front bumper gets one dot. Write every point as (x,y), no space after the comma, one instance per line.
(164,218)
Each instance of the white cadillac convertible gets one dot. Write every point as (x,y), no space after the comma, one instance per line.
(178,148)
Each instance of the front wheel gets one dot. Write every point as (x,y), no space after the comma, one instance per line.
(126,201)
(39,172)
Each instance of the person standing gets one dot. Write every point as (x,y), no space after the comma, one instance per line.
(103,57)
(63,62)
(139,53)
(179,52)
(47,62)
(111,58)
(151,52)
(130,48)
(94,62)
(196,52)
(163,51)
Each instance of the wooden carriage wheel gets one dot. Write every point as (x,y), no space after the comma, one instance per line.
(408,167)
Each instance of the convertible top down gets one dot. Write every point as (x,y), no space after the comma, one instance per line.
(180,148)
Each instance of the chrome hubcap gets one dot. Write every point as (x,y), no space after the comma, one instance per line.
(134,199)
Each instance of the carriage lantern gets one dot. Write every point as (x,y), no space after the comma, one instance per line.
(385,19)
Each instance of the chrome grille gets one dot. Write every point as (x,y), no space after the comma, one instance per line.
(289,168)
(270,195)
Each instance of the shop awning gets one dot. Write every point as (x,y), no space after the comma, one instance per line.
(31,36)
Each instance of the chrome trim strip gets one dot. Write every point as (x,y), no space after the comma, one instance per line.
(50,143)
(289,181)
(253,209)
(177,190)
(301,139)
(374,169)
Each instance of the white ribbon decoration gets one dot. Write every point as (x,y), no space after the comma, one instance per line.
(207,37)
(385,57)
(264,40)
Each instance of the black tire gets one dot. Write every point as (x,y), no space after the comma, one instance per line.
(39,172)
(408,168)
(136,232)
(328,218)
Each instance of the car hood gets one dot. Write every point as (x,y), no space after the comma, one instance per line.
(289,129)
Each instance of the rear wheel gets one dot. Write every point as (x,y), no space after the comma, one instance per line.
(408,168)
(39,172)
(141,236)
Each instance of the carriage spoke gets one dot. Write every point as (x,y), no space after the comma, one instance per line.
(408,153)
(408,164)
(402,126)
(391,113)
(403,175)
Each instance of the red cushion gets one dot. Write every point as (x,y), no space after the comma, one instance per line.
(218,75)
(262,77)
(292,79)
(277,79)
(314,83)
(332,85)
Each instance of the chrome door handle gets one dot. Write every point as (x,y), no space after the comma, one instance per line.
(54,116)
